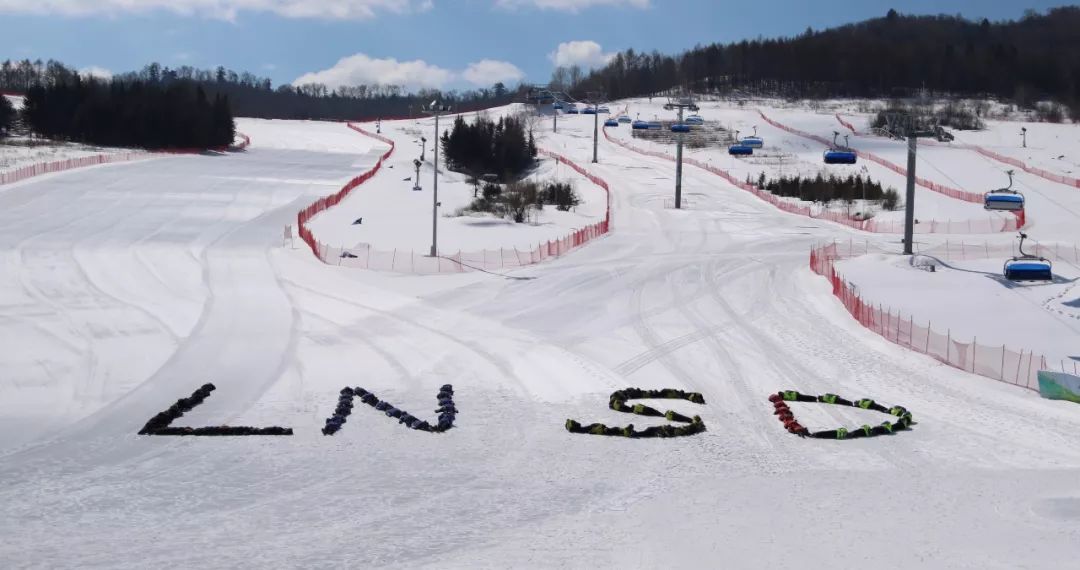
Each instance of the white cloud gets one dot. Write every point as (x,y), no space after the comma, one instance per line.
(360,69)
(572,6)
(489,71)
(95,71)
(221,9)
(587,54)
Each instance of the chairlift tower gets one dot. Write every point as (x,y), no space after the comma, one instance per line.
(437,109)
(682,104)
(905,125)
(594,98)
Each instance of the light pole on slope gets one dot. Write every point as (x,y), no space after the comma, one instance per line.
(436,109)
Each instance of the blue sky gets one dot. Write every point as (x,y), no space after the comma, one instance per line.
(419,43)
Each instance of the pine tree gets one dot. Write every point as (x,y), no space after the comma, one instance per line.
(7,116)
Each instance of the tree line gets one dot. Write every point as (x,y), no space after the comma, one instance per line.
(1034,58)
(129,113)
(824,190)
(503,148)
(7,116)
(254,96)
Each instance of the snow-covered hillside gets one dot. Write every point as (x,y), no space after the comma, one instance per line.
(126,288)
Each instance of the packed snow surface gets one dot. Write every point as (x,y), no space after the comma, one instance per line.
(393,215)
(973,300)
(126,287)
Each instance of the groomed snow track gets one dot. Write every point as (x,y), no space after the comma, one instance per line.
(125,288)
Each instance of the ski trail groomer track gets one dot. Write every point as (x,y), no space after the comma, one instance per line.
(715,298)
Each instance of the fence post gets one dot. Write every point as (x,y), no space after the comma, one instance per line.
(974,352)
(1003,363)
(1019,362)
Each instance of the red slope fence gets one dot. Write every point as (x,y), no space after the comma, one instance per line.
(846,124)
(970,226)
(1045,174)
(998,362)
(363,256)
(32,170)
(332,200)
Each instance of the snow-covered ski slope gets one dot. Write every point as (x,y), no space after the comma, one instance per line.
(394,216)
(126,287)
(1052,208)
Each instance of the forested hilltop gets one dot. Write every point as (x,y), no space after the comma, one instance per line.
(253,96)
(1026,60)
(1034,58)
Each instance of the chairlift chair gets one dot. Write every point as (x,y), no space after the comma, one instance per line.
(833,156)
(611,123)
(1027,267)
(696,120)
(625,119)
(680,128)
(838,154)
(1005,199)
(753,141)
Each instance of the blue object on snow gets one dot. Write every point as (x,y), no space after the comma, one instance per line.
(624,119)
(611,123)
(680,128)
(753,142)
(1020,269)
(739,150)
(640,125)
